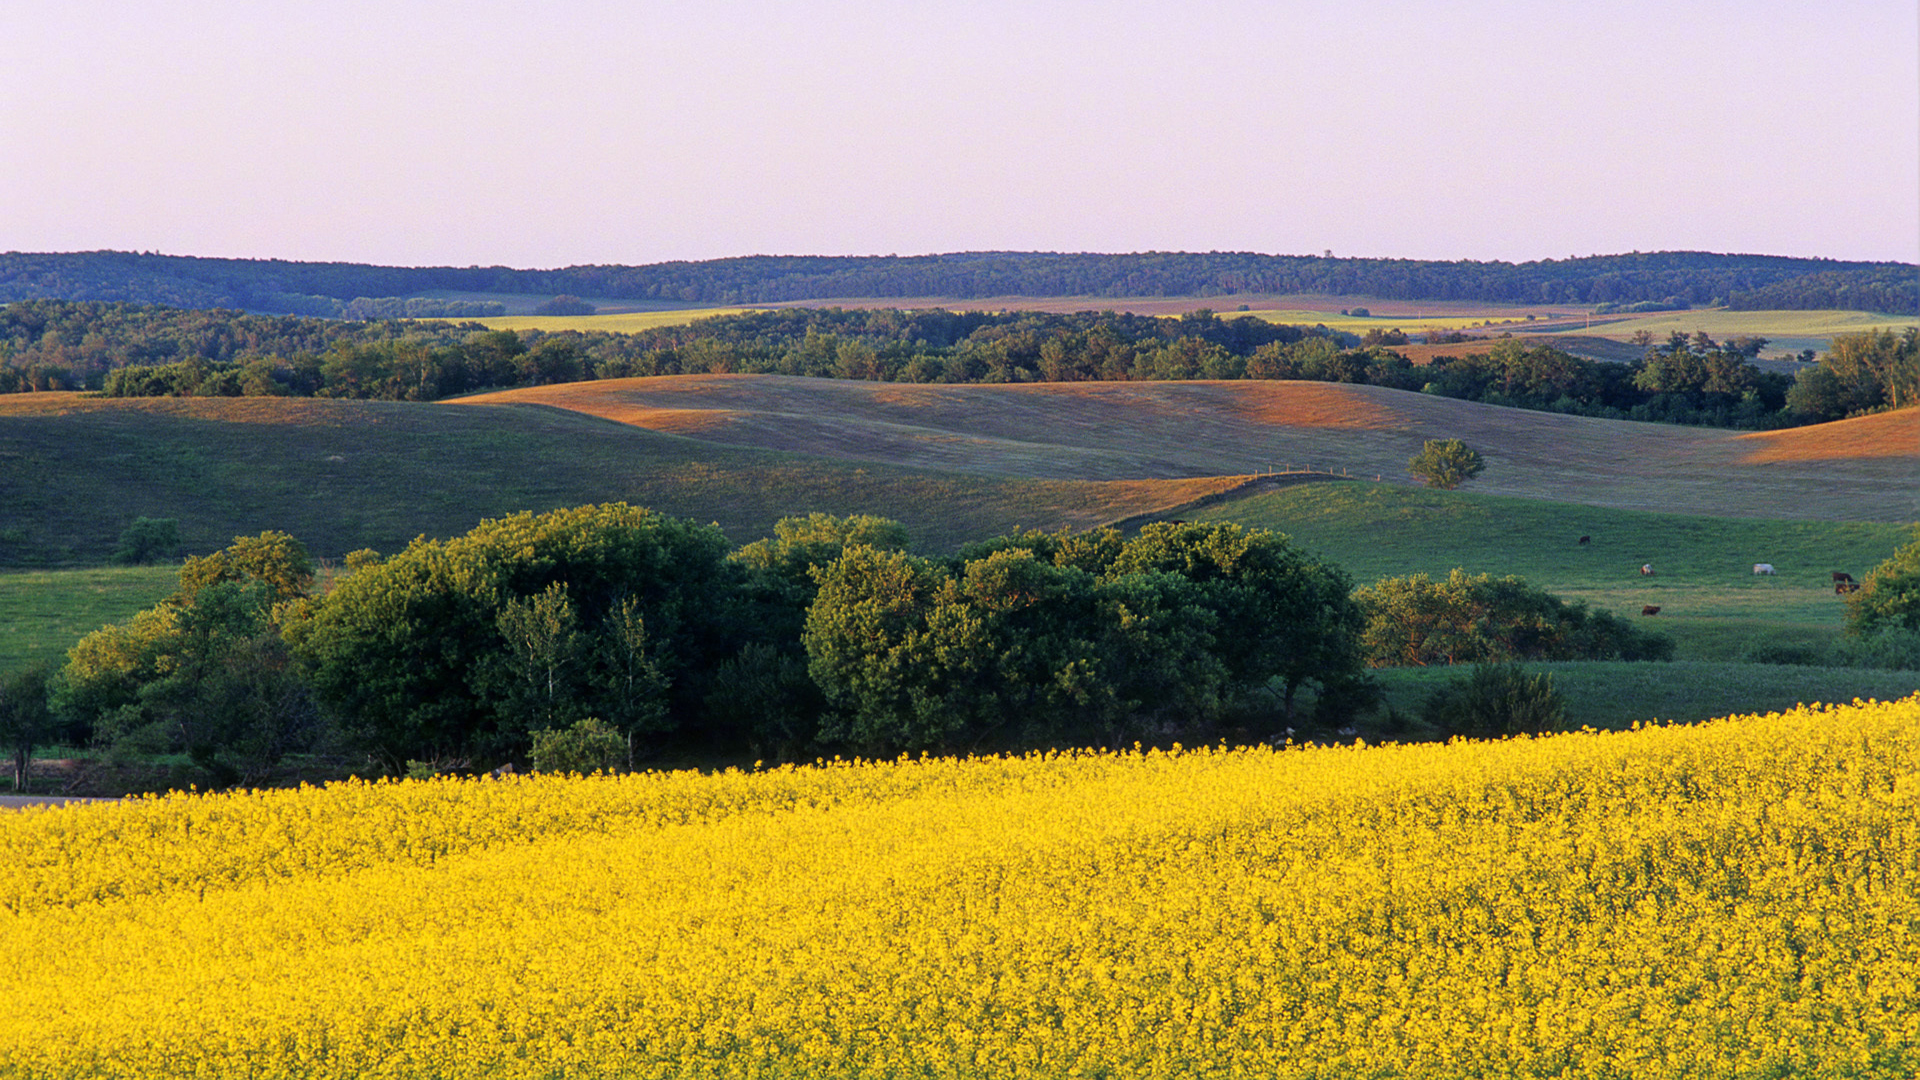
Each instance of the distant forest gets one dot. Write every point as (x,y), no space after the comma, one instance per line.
(128,350)
(352,290)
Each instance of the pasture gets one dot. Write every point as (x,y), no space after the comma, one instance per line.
(1729,899)
(43,612)
(1710,601)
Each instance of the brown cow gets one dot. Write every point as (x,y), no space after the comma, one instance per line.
(1840,576)
(1650,609)
(1842,588)
(1586,539)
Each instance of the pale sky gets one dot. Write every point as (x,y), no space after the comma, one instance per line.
(563,132)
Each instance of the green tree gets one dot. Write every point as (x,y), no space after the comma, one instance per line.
(875,651)
(1282,613)
(26,721)
(543,647)
(410,653)
(209,677)
(275,559)
(1446,463)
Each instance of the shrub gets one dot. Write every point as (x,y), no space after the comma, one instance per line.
(1446,463)
(1497,700)
(147,540)
(583,747)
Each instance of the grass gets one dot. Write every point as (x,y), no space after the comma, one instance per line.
(43,612)
(1711,602)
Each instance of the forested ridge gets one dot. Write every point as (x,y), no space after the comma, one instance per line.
(1752,282)
(127,350)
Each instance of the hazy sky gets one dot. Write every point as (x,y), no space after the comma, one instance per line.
(558,132)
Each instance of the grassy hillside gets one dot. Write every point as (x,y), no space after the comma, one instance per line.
(1860,470)
(343,475)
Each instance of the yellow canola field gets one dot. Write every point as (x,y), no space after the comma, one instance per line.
(1735,899)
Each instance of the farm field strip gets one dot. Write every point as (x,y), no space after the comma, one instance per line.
(1735,898)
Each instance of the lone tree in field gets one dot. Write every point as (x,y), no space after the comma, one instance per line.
(1446,463)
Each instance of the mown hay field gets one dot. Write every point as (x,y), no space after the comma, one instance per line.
(1735,899)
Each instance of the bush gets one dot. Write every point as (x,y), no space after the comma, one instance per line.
(1889,598)
(1497,700)
(586,746)
(147,540)
(565,305)
(1446,463)
(1414,621)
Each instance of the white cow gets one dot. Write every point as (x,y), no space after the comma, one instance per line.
(1763,568)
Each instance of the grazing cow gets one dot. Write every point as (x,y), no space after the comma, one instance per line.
(1842,588)
(1586,539)
(1841,575)
(1647,570)
(1763,568)
(1650,609)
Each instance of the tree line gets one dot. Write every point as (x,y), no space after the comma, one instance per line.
(1676,278)
(829,637)
(132,351)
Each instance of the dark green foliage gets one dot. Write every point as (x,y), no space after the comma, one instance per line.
(1038,639)
(1675,277)
(1446,463)
(1496,701)
(1414,621)
(147,540)
(763,699)
(462,648)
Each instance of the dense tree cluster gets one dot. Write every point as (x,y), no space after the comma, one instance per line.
(132,351)
(601,634)
(1681,277)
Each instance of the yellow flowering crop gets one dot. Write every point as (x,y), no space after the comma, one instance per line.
(1734,899)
